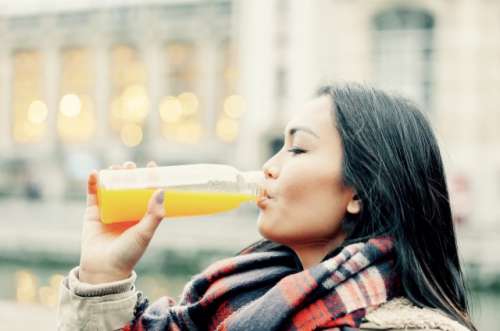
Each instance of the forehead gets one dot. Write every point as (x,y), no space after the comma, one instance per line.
(315,114)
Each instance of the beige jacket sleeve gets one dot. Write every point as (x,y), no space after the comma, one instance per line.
(108,306)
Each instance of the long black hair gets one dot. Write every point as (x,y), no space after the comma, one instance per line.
(392,160)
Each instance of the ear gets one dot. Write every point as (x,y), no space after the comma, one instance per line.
(354,206)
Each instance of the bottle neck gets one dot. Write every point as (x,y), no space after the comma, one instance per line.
(253,181)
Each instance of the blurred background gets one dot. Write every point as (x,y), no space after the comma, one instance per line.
(87,83)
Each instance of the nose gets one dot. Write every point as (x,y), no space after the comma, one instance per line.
(270,171)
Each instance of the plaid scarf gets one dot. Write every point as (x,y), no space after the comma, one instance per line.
(265,291)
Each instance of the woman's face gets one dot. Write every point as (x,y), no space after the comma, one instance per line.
(304,181)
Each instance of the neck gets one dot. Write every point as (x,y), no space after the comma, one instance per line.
(311,254)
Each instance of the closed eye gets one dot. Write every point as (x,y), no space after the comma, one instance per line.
(296,150)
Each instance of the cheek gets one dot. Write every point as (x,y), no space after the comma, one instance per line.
(310,206)
(309,188)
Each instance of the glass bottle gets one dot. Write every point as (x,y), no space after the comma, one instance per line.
(194,189)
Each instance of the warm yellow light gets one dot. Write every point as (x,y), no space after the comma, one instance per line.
(25,131)
(227,129)
(70,105)
(189,132)
(87,103)
(37,112)
(234,106)
(77,129)
(48,296)
(134,91)
(177,53)
(131,135)
(170,109)
(55,280)
(134,103)
(21,132)
(26,284)
(115,117)
(189,103)
(116,108)
(230,74)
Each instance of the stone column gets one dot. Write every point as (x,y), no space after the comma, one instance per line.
(154,68)
(102,102)
(50,93)
(207,89)
(303,55)
(256,63)
(5,101)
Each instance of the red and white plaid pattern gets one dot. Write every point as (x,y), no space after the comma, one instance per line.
(266,291)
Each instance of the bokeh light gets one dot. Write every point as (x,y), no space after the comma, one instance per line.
(227,129)
(234,106)
(189,103)
(26,287)
(170,109)
(70,105)
(78,128)
(131,135)
(37,112)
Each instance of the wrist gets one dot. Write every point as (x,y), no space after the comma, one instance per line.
(95,278)
(83,289)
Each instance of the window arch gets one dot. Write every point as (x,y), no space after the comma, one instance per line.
(403,52)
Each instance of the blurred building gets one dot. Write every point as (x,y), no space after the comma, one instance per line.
(84,84)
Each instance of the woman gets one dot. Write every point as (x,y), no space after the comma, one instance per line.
(357,227)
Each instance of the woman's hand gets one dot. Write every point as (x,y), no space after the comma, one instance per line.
(110,252)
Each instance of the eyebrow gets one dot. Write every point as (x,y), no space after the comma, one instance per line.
(294,130)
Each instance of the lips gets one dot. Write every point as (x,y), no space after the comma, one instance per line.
(264,198)
(265,194)
(262,202)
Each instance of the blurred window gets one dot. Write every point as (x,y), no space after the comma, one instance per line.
(24,23)
(129,94)
(403,52)
(74,20)
(30,113)
(122,19)
(76,120)
(180,108)
(178,12)
(230,106)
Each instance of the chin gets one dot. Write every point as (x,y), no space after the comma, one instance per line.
(261,225)
(268,230)
(265,228)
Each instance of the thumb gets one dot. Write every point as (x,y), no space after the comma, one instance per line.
(155,213)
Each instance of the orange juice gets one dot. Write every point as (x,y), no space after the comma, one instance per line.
(122,205)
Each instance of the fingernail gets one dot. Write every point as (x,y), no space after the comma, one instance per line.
(160,197)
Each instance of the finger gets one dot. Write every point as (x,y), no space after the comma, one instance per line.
(129,165)
(92,189)
(115,167)
(144,230)
(151,164)
(92,210)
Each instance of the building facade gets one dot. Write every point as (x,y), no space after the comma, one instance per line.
(87,85)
